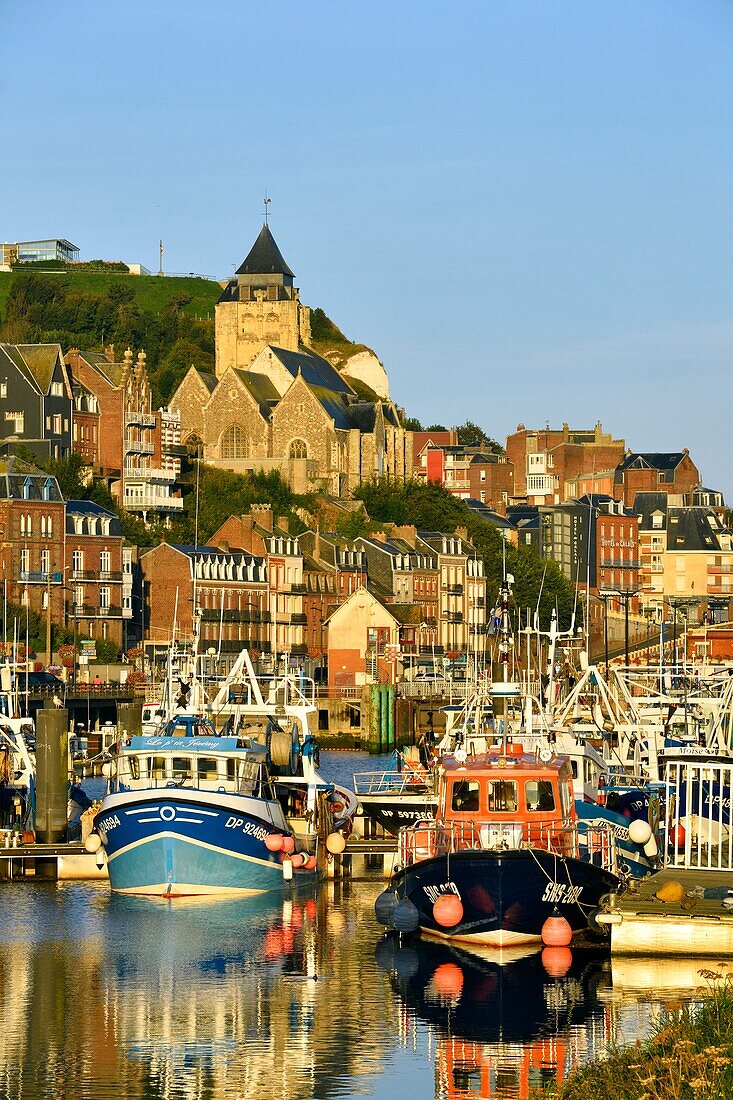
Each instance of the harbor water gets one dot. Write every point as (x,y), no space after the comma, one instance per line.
(118,996)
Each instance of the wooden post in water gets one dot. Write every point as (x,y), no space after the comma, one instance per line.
(52,763)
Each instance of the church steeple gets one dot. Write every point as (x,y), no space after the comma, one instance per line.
(265,259)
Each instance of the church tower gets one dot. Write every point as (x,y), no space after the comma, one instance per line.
(260,306)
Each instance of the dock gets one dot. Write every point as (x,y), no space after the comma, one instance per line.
(698,923)
(49,862)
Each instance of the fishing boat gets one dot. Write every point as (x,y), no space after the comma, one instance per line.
(190,810)
(503,853)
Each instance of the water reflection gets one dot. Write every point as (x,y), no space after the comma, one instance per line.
(205,1000)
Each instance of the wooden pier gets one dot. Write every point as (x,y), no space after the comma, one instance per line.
(49,862)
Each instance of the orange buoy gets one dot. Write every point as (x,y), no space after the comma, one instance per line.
(448,980)
(335,842)
(310,863)
(557,961)
(288,844)
(556,931)
(274,842)
(677,836)
(298,859)
(448,910)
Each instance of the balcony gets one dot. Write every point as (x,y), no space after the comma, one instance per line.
(452,483)
(614,563)
(26,576)
(138,447)
(452,616)
(90,575)
(717,570)
(720,589)
(149,473)
(453,589)
(296,589)
(89,611)
(478,601)
(298,619)
(232,615)
(175,450)
(141,419)
(152,502)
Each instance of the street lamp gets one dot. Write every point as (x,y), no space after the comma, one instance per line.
(624,595)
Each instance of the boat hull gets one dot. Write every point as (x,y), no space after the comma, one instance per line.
(177,843)
(394,810)
(507,896)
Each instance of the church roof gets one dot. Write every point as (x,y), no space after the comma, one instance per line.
(261,389)
(264,257)
(315,371)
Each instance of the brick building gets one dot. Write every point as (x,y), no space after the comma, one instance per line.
(546,460)
(670,472)
(85,434)
(32,513)
(94,571)
(469,473)
(231,593)
(333,568)
(139,450)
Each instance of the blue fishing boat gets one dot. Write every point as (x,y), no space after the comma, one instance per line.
(191,811)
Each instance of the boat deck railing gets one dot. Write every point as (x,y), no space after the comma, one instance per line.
(426,839)
(411,778)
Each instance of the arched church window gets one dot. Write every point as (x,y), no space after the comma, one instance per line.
(298,449)
(194,445)
(233,442)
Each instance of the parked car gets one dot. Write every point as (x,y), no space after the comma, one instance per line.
(43,681)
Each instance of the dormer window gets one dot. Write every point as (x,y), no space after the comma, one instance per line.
(27,485)
(47,488)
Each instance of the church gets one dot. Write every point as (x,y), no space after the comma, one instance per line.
(275,404)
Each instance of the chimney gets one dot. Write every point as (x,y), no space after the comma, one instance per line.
(462,533)
(407,532)
(262,514)
(283,522)
(317,543)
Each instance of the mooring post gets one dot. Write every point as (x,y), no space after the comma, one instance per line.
(52,765)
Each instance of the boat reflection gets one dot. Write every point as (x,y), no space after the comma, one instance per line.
(506,1024)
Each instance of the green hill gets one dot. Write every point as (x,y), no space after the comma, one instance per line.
(150,292)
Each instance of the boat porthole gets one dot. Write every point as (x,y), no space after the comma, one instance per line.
(167,813)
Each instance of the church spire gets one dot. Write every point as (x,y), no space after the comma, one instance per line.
(264,257)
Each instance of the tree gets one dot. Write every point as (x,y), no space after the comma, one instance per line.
(471,435)
(412,424)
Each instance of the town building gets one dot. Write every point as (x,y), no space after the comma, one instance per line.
(139,450)
(403,573)
(228,590)
(363,642)
(85,424)
(93,568)
(670,472)
(468,473)
(461,625)
(686,558)
(35,400)
(55,250)
(274,404)
(32,532)
(546,460)
(333,568)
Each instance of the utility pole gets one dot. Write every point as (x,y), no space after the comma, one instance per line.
(49,643)
(160,252)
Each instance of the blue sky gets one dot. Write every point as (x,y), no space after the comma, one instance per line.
(524,206)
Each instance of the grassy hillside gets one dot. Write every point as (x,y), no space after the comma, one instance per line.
(151,292)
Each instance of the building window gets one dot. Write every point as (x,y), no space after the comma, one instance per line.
(104,598)
(57,424)
(233,442)
(77,561)
(3,389)
(25,560)
(45,561)
(49,525)
(298,449)
(104,561)
(78,597)
(57,389)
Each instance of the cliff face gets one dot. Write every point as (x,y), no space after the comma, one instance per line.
(356,361)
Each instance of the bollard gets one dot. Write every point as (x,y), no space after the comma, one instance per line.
(52,755)
(391,707)
(130,718)
(374,726)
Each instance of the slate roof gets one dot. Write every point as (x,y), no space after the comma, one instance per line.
(651,460)
(213,552)
(208,379)
(36,362)
(315,371)
(102,365)
(15,474)
(90,508)
(645,504)
(693,529)
(335,406)
(261,388)
(41,360)
(264,257)
(489,514)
